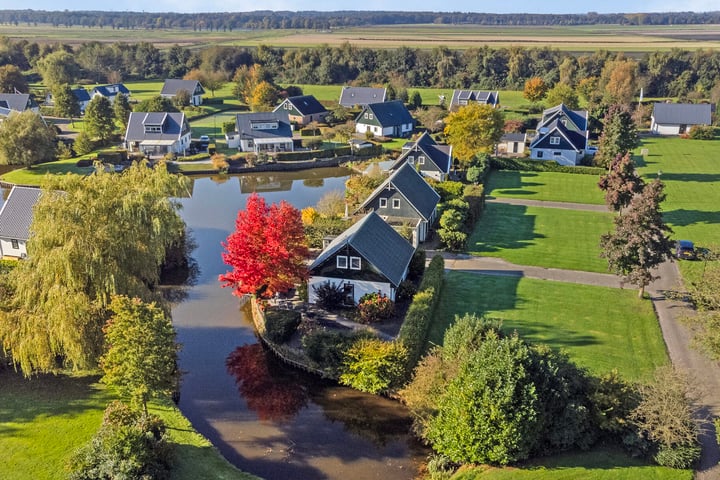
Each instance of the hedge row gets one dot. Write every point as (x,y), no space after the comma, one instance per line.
(307,155)
(541,166)
(414,329)
(474,195)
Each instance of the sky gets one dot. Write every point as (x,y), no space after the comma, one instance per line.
(491,6)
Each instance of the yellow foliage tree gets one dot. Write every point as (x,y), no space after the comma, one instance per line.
(263,97)
(309,215)
(535,89)
(473,129)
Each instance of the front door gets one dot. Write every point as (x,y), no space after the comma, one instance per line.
(349,292)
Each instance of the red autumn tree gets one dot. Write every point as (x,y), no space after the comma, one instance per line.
(267,250)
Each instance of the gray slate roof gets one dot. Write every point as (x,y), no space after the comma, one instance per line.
(112,90)
(440,155)
(244,122)
(513,137)
(411,185)
(578,117)
(172,126)
(576,140)
(378,243)
(16,101)
(17,213)
(305,104)
(388,114)
(488,98)
(351,96)
(683,113)
(172,85)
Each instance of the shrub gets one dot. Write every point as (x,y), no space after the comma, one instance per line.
(452,219)
(83,144)
(405,290)
(452,239)
(542,166)
(280,324)
(326,348)
(374,366)
(313,143)
(448,190)
(374,307)
(329,295)
(417,264)
(323,227)
(702,132)
(474,196)
(219,162)
(679,456)
(473,174)
(440,467)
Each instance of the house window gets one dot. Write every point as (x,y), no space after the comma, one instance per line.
(354,263)
(563,121)
(396,203)
(411,159)
(421,160)
(539,154)
(342,261)
(557,154)
(383,203)
(371,116)
(15,244)
(365,116)
(554,140)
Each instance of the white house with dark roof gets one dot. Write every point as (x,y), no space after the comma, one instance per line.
(461,98)
(562,136)
(426,155)
(361,96)
(157,133)
(110,91)
(303,109)
(18,102)
(679,118)
(386,119)
(512,145)
(368,257)
(405,199)
(16,216)
(173,85)
(262,132)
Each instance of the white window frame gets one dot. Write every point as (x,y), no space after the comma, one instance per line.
(421,160)
(15,244)
(396,203)
(371,116)
(355,263)
(341,262)
(554,140)
(365,116)
(411,160)
(383,202)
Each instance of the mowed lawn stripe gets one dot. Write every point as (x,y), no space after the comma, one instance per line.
(545,186)
(544,237)
(601,328)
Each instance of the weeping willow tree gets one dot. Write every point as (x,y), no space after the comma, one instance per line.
(91,238)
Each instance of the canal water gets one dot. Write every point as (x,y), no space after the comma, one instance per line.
(264,417)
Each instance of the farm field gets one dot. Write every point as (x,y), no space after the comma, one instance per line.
(546,186)
(605,329)
(588,38)
(544,237)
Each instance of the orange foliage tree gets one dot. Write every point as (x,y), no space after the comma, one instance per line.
(535,89)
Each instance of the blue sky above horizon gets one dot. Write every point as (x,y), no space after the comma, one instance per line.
(491,6)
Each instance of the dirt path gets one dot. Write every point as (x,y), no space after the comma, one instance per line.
(705,372)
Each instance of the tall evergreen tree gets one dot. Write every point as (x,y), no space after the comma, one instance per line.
(100,119)
(619,135)
(122,109)
(66,104)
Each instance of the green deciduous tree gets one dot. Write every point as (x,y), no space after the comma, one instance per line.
(562,93)
(619,135)
(121,109)
(83,144)
(621,183)
(141,353)
(25,139)
(92,238)
(156,104)
(12,79)
(473,129)
(66,104)
(640,240)
(58,67)
(100,119)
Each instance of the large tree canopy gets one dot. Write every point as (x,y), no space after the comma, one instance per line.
(25,139)
(91,238)
(473,129)
(267,250)
(100,119)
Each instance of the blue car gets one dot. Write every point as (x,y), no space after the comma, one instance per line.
(685,250)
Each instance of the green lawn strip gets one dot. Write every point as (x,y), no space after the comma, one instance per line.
(545,237)
(547,186)
(600,328)
(43,420)
(34,176)
(597,464)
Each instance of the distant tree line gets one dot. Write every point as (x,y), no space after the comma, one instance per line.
(226,21)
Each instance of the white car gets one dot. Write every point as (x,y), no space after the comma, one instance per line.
(591,150)
(204,138)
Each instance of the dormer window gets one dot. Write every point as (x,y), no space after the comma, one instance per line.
(396,203)
(421,160)
(371,116)
(267,125)
(554,140)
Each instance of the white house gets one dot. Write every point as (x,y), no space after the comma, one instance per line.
(679,118)
(157,133)
(15,218)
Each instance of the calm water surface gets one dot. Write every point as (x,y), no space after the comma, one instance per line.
(265,418)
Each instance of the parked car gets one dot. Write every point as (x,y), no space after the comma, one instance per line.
(204,138)
(685,250)
(592,150)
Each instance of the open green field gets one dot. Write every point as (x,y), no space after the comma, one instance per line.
(597,464)
(600,328)
(547,186)
(544,237)
(43,420)
(586,38)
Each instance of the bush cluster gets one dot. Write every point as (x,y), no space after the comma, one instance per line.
(374,366)
(280,324)
(329,295)
(541,166)
(326,348)
(308,155)
(374,307)
(702,132)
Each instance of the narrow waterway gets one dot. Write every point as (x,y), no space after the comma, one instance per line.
(265,418)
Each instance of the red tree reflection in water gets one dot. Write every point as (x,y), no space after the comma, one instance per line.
(273,397)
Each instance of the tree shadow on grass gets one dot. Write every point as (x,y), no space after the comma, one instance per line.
(503,227)
(599,458)
(688,177)
(509,182)
(683,218)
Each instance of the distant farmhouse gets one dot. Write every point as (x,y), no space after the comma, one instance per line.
(460,98)
(15,218)
(679,118)
(262,132)
(110,91)
(562,136)
(173,85)
(361,96)
(303,109)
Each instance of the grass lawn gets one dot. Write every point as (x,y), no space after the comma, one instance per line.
(600,328)
(43,420)
(597,464)
(34,176)
(548,186)
(545,237)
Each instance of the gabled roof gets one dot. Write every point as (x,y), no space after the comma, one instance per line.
(305,104)
(683,113)
(172,85)
(351,96)
(244,123)
(172,123)
(378,243)
(440,155)
(513,137)
(81,94)
(16,101)
(488,98)
(576,140)
(410,184)
(112,90)
(578,117)
(388,114)
(17,213)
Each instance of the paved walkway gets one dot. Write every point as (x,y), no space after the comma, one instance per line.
(704,372)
